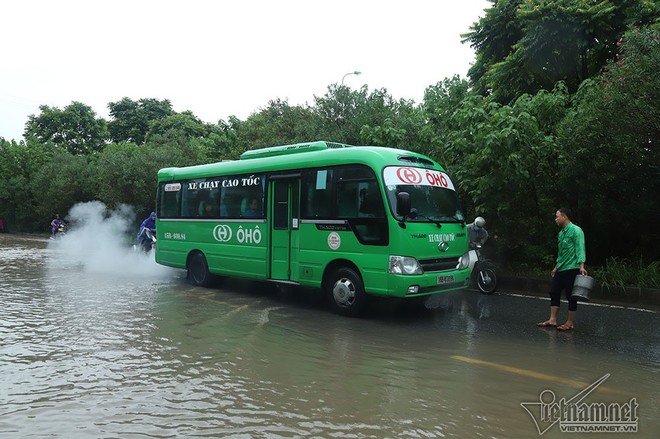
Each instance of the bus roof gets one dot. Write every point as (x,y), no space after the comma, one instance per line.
(297,156)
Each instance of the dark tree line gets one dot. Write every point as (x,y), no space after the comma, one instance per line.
(560,110)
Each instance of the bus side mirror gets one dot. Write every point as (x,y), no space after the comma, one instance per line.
(403,204)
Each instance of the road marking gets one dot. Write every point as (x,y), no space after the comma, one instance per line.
(535,375)
(601,305)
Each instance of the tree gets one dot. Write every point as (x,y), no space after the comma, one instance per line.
(60,183)
(279,124)
(504,161)
(222,142)
(185,123)
(19,163)
(523,47)
(492,39)
(610,158)
(441,101)
(131,119)
(357,117)
(75,129)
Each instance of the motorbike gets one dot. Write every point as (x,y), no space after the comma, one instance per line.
(59,232)
(146,240)
(484,273)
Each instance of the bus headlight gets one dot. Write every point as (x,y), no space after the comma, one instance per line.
(403,265)
(463,261)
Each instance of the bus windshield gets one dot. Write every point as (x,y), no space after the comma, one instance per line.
(432,193)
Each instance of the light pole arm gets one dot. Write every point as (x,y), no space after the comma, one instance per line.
(357,72)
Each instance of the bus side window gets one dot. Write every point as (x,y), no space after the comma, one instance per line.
(371,203)
(316,193)
(203,203)
(168,203)
(189,205)
(347,202)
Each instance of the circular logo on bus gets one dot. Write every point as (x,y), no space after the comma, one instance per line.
(409,175)
(334,240)
(222,233)
(443,246)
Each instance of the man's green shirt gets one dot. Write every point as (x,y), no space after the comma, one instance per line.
(571,251)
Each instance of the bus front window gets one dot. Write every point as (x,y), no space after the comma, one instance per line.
(435,203)
(431,191)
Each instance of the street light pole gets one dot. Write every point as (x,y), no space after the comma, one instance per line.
(357,72)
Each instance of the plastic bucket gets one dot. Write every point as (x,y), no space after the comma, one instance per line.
(582,287)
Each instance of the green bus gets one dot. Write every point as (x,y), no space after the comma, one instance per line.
(353,221)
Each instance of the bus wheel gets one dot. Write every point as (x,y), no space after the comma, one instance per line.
(345,291)
(198,271)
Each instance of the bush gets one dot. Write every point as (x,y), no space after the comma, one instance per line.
(621,272)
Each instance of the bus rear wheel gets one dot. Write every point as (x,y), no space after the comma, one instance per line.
(345,291)
(198,271)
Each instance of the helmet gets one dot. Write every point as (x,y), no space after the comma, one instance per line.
(479,221)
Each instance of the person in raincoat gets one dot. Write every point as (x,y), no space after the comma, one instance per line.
(147,224)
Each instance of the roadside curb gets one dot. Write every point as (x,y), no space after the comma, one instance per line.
(600,293)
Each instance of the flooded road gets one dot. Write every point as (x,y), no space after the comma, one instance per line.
(92,346)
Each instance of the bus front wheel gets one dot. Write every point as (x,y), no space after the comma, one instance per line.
(345,291)
(198,271)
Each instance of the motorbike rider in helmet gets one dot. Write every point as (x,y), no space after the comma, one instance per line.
(477,235)
(148,224)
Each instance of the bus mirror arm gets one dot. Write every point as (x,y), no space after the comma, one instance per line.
(403,207)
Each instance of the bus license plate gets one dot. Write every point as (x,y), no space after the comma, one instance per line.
(445,279)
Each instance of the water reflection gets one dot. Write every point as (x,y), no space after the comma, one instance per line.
(92,353)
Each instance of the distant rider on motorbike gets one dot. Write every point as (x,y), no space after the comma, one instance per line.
(483,271)
(477,235)
(148,224)
(55,225)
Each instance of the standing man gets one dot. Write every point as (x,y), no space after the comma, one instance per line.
(571,257)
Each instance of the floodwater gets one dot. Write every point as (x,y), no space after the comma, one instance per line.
(121,347)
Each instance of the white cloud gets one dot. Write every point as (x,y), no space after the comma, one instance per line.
(218,58)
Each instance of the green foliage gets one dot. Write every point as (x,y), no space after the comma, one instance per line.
(623,272)
(441,101)
(526,46)
(400,129)
(74,129)
(132,119)
(610,160)
(186,123)
(61,182)
(505,159)
(493,38)
(344,113)
(127,173)
(279,124)
(19,163)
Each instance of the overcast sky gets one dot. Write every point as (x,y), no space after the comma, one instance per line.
(221,58)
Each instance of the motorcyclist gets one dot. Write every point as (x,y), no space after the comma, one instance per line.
(148,224)
(477,235)
(55,225)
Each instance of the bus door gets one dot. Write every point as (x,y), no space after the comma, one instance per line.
(284,243)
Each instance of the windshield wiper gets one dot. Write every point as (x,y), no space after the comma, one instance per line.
(413,214)
(456,219)
(462,221)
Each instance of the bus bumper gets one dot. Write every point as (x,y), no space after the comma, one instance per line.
(429,283)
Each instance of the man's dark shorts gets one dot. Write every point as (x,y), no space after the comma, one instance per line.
(563,280)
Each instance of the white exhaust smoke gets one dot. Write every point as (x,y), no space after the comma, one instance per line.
(100,240)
